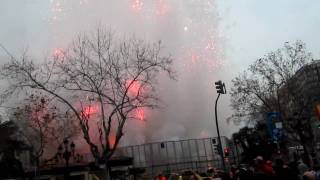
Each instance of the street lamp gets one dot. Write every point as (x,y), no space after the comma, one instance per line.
(236,142)
(221,89)
(66,152)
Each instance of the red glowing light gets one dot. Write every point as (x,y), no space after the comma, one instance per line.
(162,8)
(112,140)
(137,5)
(195,57)
(135,87)
(88,111)
(140,114)
(58,53)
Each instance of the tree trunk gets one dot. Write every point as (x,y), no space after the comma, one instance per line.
(37,173)
(307,153)
(107,174)
(307,149)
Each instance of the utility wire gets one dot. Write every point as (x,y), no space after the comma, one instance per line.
(7,52)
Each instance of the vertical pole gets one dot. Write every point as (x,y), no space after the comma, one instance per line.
(205,149)
(167,153)
(212,152)
(233,154)
(237,151)
(198,154)
(219,138)
(152,168)
(67,175)
(175,156)
(145,156)
(183,160)
(205,153)
(190,154)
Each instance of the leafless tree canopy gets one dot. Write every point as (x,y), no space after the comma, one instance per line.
(40,124)
(97,70)
(261,89)
(270,85)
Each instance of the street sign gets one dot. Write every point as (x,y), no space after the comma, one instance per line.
(278,125)
(270,119)
(277,134)
(274,128)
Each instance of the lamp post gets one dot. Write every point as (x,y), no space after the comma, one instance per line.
(236,142)
(221,89)
(66,152)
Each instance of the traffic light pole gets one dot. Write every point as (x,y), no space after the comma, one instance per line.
(219,138)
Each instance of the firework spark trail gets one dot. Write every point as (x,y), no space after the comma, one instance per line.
(136,5)
(204,50)
(162,8)
(188,27)
(59,10)
(198,19)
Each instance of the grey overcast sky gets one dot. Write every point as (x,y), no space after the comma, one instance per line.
(254,27)
(211,40)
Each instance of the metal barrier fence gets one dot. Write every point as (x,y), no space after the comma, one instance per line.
(176,156)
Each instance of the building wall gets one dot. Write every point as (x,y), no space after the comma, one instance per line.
(305,86)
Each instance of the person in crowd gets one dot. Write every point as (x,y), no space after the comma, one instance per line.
(222,175)
(263,170)
(211,172)
(161,177)
(283,171)
(234,172)
(245,174)
(190,175)
(309,175)
(174,176)
(262,166)
(293,165)
(302,168)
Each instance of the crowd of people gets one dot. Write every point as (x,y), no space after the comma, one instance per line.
(259,169)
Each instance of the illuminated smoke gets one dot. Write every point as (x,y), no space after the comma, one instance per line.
(140,115)
(58,54)
(135,90)
(189,31)
(136,5)
(162,8)
(90,110)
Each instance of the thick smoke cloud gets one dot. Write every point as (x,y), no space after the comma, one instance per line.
(188,29)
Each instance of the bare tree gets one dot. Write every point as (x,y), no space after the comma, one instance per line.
(40,125)
(269,86)
(116,77)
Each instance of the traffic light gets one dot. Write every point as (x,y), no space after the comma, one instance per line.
(217,149)
(226,151)
(220,87)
